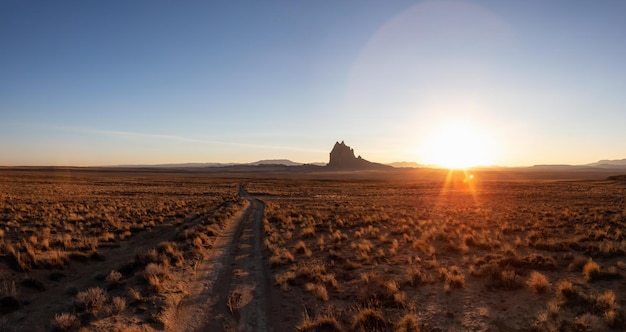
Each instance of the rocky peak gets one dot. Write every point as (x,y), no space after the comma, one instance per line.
(341,154)
(342,157)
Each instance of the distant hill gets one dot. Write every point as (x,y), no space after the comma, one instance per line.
(405,164)
(181,165)
(285,162)
(617,163)
(342,158)
(555,167)
(282,162)
(621,178)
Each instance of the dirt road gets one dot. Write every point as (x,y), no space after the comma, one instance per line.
(232,285)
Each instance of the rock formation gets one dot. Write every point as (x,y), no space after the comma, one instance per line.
(342,158)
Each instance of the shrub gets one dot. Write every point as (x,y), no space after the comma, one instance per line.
(318,289)
(553,308)
(408,323)
(307,232)
(275,260)
(91,300)
(301,248)
(538,282)
(324,323)
(606,302)
(615,319)
(369,319)
(65,322)
(114,277)
(413,275)
(134,295)
(509,280)
(118,304)
(591,270)
(285,279)
(585,322)
(453,278)
(499,278)
(565,289)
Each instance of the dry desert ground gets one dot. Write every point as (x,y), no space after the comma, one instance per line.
(181,250)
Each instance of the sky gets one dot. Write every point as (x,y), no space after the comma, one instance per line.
(510,83)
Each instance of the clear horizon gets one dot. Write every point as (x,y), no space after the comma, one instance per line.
(452,83)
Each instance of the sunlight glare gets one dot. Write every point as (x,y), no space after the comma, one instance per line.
(458,146)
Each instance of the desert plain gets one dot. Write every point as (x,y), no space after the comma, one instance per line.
(111,249)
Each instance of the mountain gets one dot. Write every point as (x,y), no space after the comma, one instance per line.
(616,163)
(342,158)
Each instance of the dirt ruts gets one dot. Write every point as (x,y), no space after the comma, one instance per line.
(233,284)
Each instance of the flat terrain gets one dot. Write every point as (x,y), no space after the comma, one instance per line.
(194,250)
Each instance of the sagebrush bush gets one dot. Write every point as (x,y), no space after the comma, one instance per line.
(591,270)
(92,299)
(114,277)
(155,275)
(65,322)
(118,304)
(538,282)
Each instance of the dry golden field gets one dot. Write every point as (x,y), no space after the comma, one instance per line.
(409,251)
(102,249)
(462,255)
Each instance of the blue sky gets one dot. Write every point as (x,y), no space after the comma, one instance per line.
(119,82)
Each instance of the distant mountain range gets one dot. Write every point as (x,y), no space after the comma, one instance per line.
(405,164)
(617,163)
(602,164)
(342,157)
(282,162)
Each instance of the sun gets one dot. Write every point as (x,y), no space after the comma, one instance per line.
(458,145)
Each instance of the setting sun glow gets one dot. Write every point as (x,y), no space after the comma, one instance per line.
(458,146)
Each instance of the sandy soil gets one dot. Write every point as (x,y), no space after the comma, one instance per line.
(230,290)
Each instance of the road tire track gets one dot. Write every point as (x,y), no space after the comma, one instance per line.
(235,284)
(242,298)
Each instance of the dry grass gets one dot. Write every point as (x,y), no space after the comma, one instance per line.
(538,282)
(156,275)
(65,322)
(118,304)
(591,270)
(369,319)
(408,323)
(52,224)
(321,323)
(383,241)
(382,249)
(318,289)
